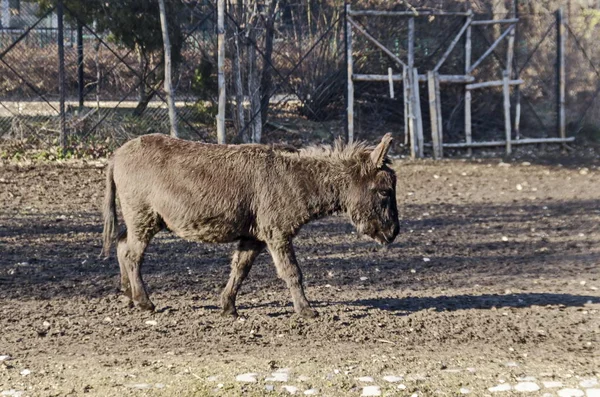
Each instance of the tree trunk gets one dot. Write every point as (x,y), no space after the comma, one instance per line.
(239,89)
(266,83)
(255,118)
(168,73)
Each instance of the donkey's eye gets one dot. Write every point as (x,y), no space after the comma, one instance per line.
(384,193)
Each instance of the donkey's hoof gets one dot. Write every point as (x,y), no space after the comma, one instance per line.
(229,312)
(145,305)
(307,312)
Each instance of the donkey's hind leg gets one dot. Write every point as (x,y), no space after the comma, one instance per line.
(243,258)
(130,253)
(125,283)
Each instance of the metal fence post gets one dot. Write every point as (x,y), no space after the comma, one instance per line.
(61,76)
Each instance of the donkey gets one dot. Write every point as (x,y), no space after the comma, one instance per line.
(256,195)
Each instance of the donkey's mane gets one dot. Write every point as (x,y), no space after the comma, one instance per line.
(338,151)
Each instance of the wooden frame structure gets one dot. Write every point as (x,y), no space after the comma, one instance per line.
(410,77)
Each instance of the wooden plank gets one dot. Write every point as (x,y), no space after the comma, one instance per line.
(409,98)
(495,83)
(507,123)
(438,105)
(525,141)
(411,44)
(417,113)
(377,43)
(492,47)
(413,13)
(454,42)
(405,102)
(350,83)
(444,78)
(433,114)
(495,21)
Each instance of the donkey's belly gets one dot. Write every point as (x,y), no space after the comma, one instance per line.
(208,232)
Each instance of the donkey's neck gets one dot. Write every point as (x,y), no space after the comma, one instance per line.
(324,184)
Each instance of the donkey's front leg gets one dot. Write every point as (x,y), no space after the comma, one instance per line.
(283,255)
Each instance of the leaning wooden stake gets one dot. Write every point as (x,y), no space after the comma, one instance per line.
(507,128)
(168,73)
(433,114)
(417,113)
(407,111)
(221,70)
(438,105)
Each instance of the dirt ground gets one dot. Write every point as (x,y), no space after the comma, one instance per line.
(492,283)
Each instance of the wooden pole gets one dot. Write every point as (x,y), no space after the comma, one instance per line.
(491,48)
(61,77)
(453,43)
(391,83)
(376,42)
(524,141)
(516,74)
(168,73)
(410,85)
(407,111)
(349,72)
(468,125)
(411,44)
(221,71)
(507,122)
(562,130)
(433,115)
(417,113)
(80,82)
(438,105)
(414,13)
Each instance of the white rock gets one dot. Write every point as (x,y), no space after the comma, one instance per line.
(464,390)
(570,393)
(392,378)
(25,372)
(402,387)
(152,322)
(504,238)
(213,378)
(519,187)
(501,387)
(12,393)
(269,388)
(4,358)
(290,389)
(248,377)
(426,259)
(46,325)
(311,392)
(592,392)
(526,387)
(551,384)
(140,386)
(511,364)
(107,320)
(370,391)
(366,379)
(587,383)
(278,377)
(363,278)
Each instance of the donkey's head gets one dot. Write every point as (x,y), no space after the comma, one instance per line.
(371,199)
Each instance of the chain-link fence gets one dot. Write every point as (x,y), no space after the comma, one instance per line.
(292,55)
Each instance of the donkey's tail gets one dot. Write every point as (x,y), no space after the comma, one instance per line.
(109,211)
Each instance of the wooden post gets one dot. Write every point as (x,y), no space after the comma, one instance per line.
(516,74)
(411,44)
(80,82)
(168,73)
(433,114)
(221,70)
(438,105)
(350,83)
(468,125)
(61,77)
(562,133)
(466,26)
(391,83)
(507,122)
(407,110)
(417,113)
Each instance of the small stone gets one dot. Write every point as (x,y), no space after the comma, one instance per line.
(363,278)
(500,388)
(587,383)
(592,392)
(278,377)
(12,393)
(426,259)
(152,322)
(464,390)
(401,387)
(311,392)
(511,364)
(290,389)
(46,325)
(526,387)
(269,388)
(413,271)
(519,187)
(570,393)
(584,171)
(248,377)
(504,238)
(5,357)
(107,320)
(366,379)
(392,378)
(25,372)
(370,391)
(213,378)
(552,384)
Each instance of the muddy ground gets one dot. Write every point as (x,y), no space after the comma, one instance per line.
(493,281)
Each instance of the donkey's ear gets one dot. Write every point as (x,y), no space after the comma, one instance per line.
(379,153)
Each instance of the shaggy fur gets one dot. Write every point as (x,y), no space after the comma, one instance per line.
(257,195)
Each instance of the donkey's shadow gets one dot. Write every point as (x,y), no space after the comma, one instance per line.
(407,305)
